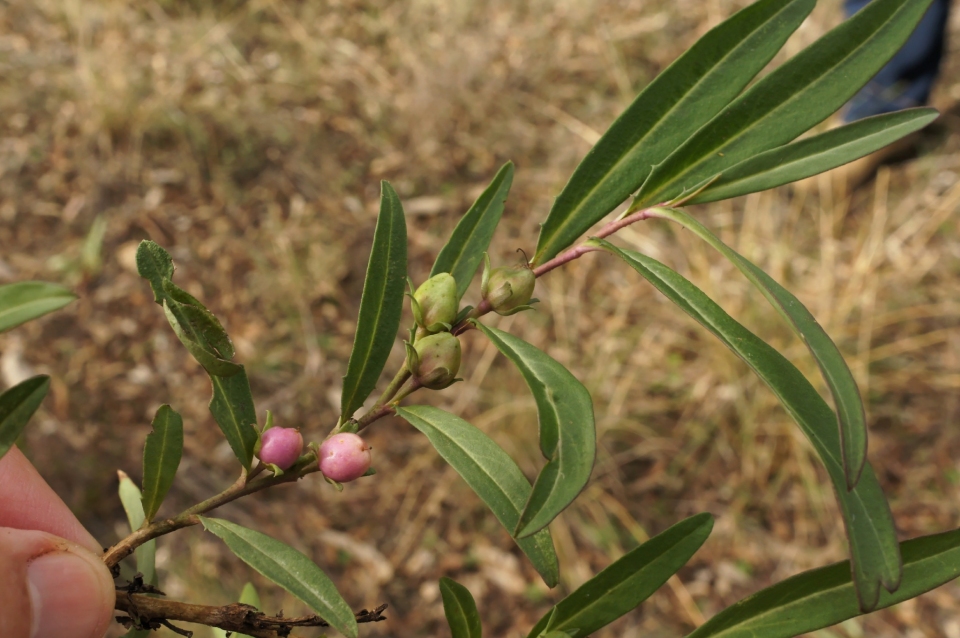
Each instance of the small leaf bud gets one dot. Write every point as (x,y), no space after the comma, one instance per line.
(507,289)
(281,447)
(344,457)
(438,301)
(438,360)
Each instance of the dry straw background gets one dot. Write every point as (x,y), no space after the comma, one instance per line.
(249,139)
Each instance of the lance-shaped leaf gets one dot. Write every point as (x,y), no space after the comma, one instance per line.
(156,266)
(146,554)
(17,405)
(490,472)
(840,381)
(380,305)
(464,250)
(161,458)
(460,609)
(567,430)
(873,542)
(681,99)
(288,568)
(627,582)
(825,596)
(233,410)
(800,93)
(204,337)
(813,155)
(26,300)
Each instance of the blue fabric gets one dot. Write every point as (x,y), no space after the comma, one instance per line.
(908,78)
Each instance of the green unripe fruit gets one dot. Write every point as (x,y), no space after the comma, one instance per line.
(437,361)
(438,303)
(507,289)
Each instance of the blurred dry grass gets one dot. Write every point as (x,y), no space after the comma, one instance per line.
(249,138)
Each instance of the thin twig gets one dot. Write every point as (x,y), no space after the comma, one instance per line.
(190,517)
(563,258)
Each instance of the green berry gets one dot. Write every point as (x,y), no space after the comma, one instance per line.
(438,360)
(437,302)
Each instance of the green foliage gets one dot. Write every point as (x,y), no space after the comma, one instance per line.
(463,252)
(460,610)
(26,300)
(161,458)
(627,582)
(679,101)
(869,524)
(567,431)
(17,405)
(694,134)
(380,305)
(812,155)
(789,101)
(843,387)
(196,327)
(132,502)
(826,596)
(489,472)
(288,568)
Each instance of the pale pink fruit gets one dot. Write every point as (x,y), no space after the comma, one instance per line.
(281,447)
(344,457)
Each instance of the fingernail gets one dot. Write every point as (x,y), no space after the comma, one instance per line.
(66,593)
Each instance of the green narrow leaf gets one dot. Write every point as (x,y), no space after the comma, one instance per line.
(289,568)
(799,94)
(840,381)
(627,582)
(204,337)
(17,405)
(249,596)
(161,458)
(233,410)
(460,609)
(462,254)
(567,430)
(380,305)
(215,365)
(26,300)
(155,265)
(866,515)
(490,472)
(825,596)
(813,155)
(681,99)
(145,554)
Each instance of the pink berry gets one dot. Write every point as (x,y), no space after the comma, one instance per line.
(281,447)
(344,457)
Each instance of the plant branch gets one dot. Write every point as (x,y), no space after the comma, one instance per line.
(148,612)
(563,258)
(189,516)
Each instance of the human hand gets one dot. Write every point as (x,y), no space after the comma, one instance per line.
(52,581)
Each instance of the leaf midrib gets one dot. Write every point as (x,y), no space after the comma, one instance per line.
(285,568)
(6,312)
(388,232)
(233,415)
(473,459)
(804,158)
(598,598)
(159,459)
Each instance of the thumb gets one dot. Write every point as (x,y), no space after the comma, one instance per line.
(51,588)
